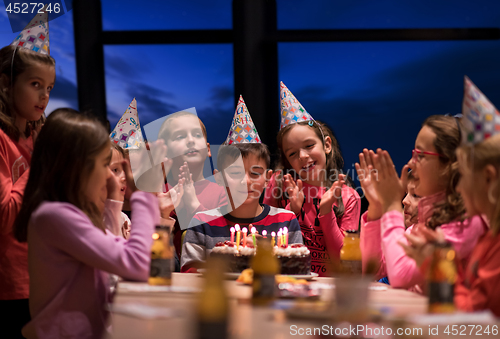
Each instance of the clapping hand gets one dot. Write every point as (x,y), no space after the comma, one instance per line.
(294,192)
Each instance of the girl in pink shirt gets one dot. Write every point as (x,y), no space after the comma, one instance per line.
(434,167)
(61,218)
(479,186)
(316,191)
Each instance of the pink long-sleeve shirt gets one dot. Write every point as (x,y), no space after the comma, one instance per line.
(68,257)
(380,242)
(323,236)
(15,158)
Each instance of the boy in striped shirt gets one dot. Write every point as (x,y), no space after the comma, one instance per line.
(244,175)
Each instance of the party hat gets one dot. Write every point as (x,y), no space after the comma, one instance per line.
(291,109)
(127,132)
(35,36)
(481,119)
(242,129)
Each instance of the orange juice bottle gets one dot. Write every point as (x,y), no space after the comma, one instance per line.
(350,254)
(265,267)
(162,257)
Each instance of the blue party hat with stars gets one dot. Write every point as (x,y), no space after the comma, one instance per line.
(481,120)
(127,132)
(291,109)
(242,129)
(35,36)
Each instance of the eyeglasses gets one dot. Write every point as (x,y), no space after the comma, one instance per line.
(416,153)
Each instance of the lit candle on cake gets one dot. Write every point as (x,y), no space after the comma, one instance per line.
(232,234)
(264,233)
(285,235)
(280,233)
(238,236)
(273,238)
(245,231)
(254,230)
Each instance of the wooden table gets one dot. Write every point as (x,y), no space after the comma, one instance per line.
(245,320)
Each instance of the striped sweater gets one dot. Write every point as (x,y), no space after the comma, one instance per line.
(209,227)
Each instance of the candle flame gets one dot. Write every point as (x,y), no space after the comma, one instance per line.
(237,227)
(232,229)
(264,232)
(273,234)
(244,230)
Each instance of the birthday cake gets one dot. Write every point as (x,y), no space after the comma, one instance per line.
(293,259)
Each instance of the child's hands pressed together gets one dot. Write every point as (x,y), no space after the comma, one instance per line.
(295,193)
(190,200)
(389,186)
(364,170)
(170,200)
(331,196)
(129,176)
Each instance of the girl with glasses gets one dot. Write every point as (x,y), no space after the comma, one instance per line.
(435,170)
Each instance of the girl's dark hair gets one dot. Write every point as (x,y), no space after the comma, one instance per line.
(11,69)
(63,159)
(446,143)
(334,160)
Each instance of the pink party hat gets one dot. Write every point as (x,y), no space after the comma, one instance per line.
(291,109)
(242,129)
(481,119)
(35,36)
(127,132)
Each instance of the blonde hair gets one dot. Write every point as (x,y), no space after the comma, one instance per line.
(476,158)
(165,126)
(13,62)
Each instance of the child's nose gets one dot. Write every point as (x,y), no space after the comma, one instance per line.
(45,93)
(190,139)
(302,154)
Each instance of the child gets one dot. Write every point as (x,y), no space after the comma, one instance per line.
(26,79)
(185,136)
(119,221)
(126,136)
(324,206)
(410,203)
(479,167)
(244,172)
(370,238)
(434,167)
(62,220)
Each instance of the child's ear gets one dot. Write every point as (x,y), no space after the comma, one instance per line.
(490,173)
(328,145)
(208,148)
